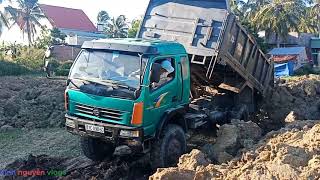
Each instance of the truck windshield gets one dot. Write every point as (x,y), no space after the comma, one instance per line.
(115,67)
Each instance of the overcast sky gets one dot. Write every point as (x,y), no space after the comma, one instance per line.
(130,8)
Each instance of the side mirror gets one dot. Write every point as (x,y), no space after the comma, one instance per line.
(155,73)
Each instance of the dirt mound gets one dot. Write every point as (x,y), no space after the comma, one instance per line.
(31,102)
(231,138)
(299,96)
(293,98)
(290,153)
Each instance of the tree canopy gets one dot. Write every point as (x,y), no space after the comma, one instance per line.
(27,15)
(278,17)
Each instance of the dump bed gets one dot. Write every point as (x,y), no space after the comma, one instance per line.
(212,37)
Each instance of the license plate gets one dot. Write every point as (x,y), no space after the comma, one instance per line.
(93,128)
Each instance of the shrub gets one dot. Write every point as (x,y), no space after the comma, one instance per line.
(64,68)
(12,69)
(306,69)
(31,58)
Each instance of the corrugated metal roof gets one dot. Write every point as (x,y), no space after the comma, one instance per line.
(283,59)
(67,18)
(287,51)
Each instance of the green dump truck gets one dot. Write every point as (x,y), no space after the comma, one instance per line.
(192,65)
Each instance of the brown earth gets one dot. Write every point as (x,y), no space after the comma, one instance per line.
(294,98)
(239,151)
(290,153)
(31,102)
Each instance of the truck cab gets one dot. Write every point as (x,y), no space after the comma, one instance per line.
(125,92)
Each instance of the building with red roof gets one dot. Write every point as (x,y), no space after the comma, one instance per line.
(73,22)
(68,18)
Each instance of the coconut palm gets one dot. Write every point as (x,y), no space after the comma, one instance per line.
(103,17)
(135,24)
(280,17)
(3,19)
(315,14)
(27,15)
(117,28)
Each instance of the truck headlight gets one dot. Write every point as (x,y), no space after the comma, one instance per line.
(70,123)
(126,133)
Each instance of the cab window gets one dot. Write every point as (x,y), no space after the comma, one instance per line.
(167,72)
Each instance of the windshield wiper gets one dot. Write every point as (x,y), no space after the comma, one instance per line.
(70,81)
(106,83)
(119,84)
(94,81)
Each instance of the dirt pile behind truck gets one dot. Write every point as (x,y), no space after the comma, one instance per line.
(293,98)
(31,102)
(290,153)
(297,97)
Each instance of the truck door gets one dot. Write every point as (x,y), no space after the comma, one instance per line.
(166,93)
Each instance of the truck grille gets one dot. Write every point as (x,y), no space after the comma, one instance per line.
(111,114)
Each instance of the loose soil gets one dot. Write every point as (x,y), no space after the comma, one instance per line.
(280,142)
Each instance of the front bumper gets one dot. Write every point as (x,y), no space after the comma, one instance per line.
(111,132)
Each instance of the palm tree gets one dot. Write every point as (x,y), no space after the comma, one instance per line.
(27,16)
(3,19)
(280,17)
(103,17)
(315,13)
(117,28)
(135,25)
(309,22)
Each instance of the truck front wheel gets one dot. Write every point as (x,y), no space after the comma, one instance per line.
(96,149)
(171,145)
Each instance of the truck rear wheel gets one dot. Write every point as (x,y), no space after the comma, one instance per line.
(96,149)
(171,145)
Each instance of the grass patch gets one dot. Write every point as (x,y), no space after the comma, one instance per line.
(53,141)
(12,69)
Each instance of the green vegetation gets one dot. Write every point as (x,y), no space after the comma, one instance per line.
(20,143)
(61,69)
(117,28)
(12,69)
(278,17)
(306,69)
(27,16)
(134,28)
(20,60)
(103,17)
(49,37)
(3,21)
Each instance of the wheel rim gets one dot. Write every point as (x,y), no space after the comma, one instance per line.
(174,151)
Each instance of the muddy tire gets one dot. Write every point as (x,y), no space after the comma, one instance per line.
(166,151)
(96,149)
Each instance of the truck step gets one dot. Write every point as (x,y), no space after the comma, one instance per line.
(196,120)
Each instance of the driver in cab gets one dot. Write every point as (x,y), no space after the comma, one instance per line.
(166,73)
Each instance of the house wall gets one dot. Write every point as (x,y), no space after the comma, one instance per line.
(293,39)
(75,37)
(65,53)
